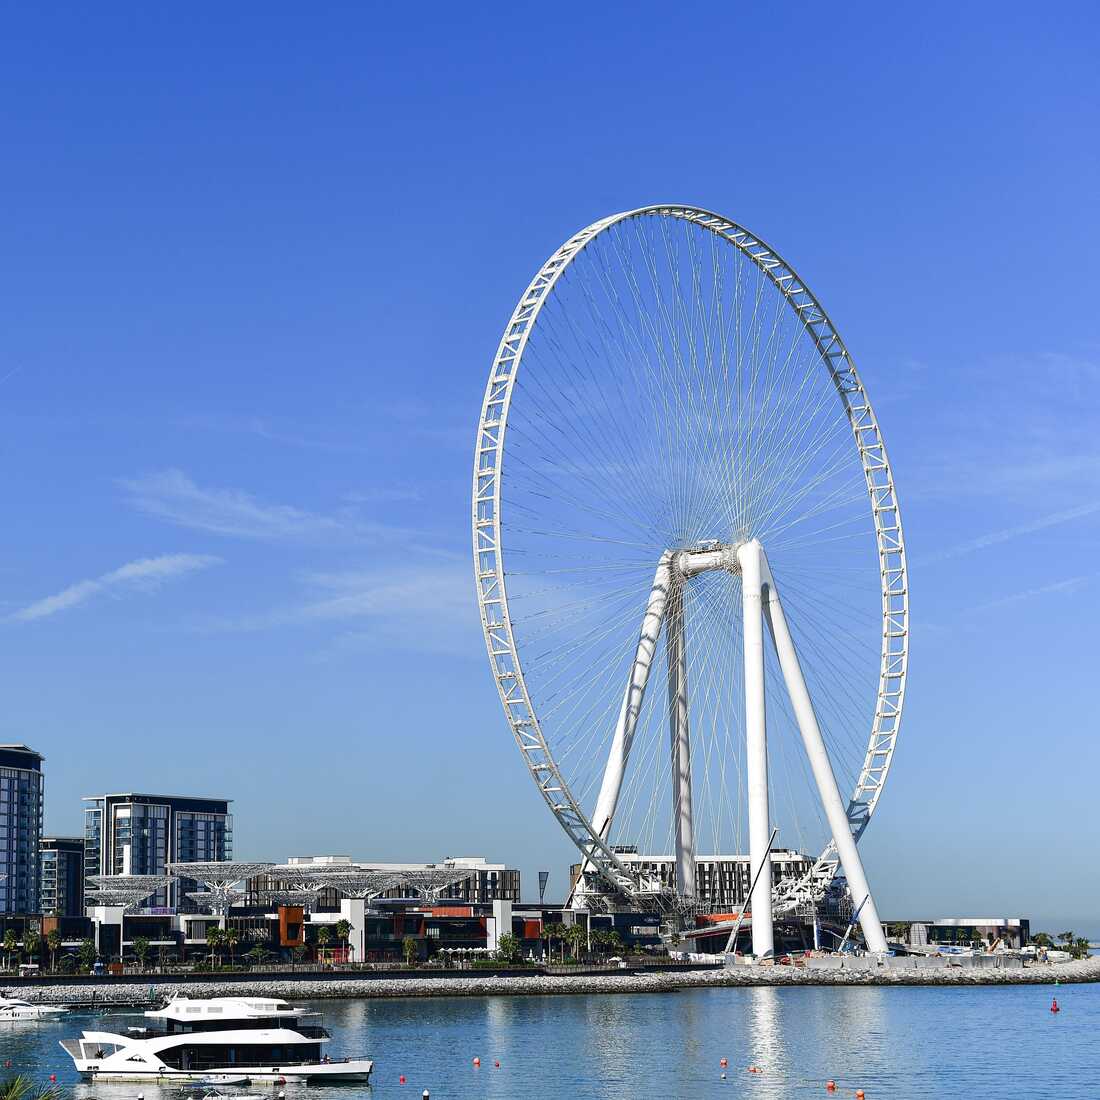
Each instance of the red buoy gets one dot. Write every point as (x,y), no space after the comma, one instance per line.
(1054,1005)
(401,1079)
(723,1063)
(830,1086)
(496,1064)
(477,1061)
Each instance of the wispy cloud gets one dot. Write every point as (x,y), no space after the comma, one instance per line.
(171,495)
(143,575)
(424,606)
(1067,585)
(993,538)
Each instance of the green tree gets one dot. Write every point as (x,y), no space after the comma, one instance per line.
(53,942)
(20,1088)
(576,937)
(408,949)
(32,944)
(1080,948)
(215,938)
(555,932)
(1042,939)
(508,948)
(324,937)
(343,933)
(1067,937)
(141,949)
(87,953)
(11,945)
(256,954)
(232,938)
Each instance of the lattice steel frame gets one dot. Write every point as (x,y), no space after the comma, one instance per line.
(488,551)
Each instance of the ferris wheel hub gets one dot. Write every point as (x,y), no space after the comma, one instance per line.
(705,556)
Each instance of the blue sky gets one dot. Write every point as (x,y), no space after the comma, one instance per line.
(256,263)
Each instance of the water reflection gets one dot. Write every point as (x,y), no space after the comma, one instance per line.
(897,1042)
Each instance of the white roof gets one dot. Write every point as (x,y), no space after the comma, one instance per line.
(224,1008)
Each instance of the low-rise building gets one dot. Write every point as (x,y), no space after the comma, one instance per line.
(721,882)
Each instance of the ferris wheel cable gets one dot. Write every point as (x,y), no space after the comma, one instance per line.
(586,442)
(798,454)
(607,500)
(670,393)
(613,352)
(835,462)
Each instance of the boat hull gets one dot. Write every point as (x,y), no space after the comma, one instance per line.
(353,1070)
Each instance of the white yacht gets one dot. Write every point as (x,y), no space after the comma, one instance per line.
(220,1038)
(12,1008)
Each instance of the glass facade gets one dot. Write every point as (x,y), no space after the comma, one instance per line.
(21,799)
(61,863)
(139,834)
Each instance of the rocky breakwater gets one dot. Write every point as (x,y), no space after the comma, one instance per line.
(107,993)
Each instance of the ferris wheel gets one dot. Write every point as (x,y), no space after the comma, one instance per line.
(676,461)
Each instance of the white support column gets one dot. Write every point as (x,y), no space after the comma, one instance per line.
(835,812)
(749,557)
(632,698)
(683,825)
(354,911)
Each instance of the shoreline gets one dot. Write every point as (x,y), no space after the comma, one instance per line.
(305,988)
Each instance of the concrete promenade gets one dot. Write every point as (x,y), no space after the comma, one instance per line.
(471,985)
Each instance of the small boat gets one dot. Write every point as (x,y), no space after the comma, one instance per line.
(216,1041)
(13,1008)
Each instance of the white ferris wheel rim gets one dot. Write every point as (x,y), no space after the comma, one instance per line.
(488,548)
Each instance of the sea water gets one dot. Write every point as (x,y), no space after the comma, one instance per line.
(978,1042)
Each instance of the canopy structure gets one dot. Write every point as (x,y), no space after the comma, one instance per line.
(304,898)
(431,881)
(125,890)
(222,874)
(218,901)
(362,883)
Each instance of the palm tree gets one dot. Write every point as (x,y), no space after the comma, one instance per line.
(575,936)
(1067,937)
(232,937)
(408,947)
(11,944)
(215,937)
(343,933)
(20,1088)
(556,932)
(53,942)
(32,943)
(323,938)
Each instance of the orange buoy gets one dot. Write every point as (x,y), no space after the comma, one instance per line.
(754,1069)
(830,1086)
(859,1094)
(723,1063)
(477,1061)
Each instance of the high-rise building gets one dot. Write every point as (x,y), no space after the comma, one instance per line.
(21,797)
(61,863)
(139,834)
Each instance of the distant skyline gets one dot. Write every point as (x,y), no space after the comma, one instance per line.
(255,269)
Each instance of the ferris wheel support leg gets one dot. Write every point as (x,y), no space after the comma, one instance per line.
(749,557)
(683,822)
(632,698)
(819,762)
